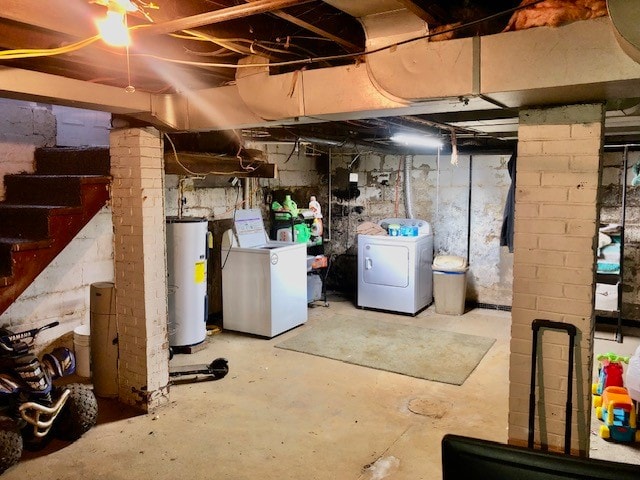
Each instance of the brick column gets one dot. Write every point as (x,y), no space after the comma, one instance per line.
(140,266)
(558,172)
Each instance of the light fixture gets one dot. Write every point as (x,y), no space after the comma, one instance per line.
(414,140)
(113,28)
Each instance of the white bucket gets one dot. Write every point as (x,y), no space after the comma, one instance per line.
(82,347)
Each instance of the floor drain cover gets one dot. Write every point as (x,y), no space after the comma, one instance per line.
(428,408)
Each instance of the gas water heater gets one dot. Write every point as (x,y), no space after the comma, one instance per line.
(187,253)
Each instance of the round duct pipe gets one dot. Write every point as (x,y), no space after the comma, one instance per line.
(625,17)
(408,196)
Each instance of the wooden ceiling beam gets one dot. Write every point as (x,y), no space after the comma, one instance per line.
(350,47)
(56,15)
(193,163)
(97,62)
(420,12)
(218,16)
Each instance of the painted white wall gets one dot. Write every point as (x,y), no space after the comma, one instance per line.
(79,128)
(61,291)
(24,126)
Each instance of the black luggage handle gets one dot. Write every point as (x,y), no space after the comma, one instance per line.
(571,330)
(539,323)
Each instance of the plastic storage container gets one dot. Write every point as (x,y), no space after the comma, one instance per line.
(82,348)
(393,230)
(449,284)
(290,205)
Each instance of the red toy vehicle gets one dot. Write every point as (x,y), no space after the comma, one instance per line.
(619,416)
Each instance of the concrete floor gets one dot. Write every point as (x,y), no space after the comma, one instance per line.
(286,415)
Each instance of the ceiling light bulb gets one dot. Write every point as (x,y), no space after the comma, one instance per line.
(413,140)
(113,29)
(127,5)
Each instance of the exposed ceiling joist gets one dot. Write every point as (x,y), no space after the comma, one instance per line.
(221,15)
(55,15)
(420,12)
(351,47)
(198,163)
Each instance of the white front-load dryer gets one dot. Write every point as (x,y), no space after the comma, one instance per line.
(394,272)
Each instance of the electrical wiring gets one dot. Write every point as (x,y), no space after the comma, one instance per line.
(347,56)
(27,53)
(235,207)
(223,42)
(294,149)
(46,52)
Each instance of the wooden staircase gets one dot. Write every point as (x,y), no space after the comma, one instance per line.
(43,211)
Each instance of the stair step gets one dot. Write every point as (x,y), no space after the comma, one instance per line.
(22,244)
(33,189)
(8,245)
(73,160)
(37,222)
(30,221)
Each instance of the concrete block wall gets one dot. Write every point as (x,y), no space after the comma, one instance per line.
(211,201)
(558,173)
(78,127)
(440,193)
(24,126)
(611,212)
(140,266)
(61,291)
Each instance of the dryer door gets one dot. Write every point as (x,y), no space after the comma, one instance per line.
(386,265)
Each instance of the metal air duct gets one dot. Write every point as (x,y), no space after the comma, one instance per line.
(625,17)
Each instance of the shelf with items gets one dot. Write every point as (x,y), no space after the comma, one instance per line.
(610,266)
(291,224)
(608,301)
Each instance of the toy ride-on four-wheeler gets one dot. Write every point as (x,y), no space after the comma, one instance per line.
(32,408)
(619,416)
(610,374)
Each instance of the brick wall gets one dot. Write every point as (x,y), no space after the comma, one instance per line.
(140,266)
(558,171)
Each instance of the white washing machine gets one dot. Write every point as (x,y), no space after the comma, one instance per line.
(394,272)
(264,282)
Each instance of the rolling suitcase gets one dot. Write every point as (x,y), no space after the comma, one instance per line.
(536,325)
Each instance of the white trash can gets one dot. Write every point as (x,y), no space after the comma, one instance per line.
(450,284)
